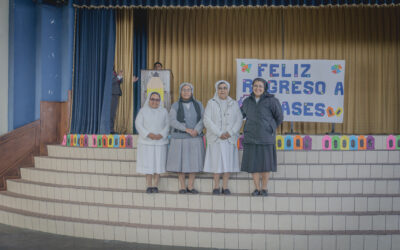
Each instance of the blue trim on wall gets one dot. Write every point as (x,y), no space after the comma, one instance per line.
(67,45)
(38,70)
(227,3)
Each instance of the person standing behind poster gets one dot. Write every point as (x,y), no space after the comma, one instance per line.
(157,66)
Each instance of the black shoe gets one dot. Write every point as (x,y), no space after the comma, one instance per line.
(149,190)
(215,191)
(155,189)
(182,191)
(256,192)
(192,191)
(264,192)
(226,191)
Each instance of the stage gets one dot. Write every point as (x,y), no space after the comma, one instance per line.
(338,199)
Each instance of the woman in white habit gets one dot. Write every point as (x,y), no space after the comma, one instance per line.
(153,127)
(223,120)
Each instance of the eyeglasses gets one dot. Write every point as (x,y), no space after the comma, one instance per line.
(222,88)
(154,100)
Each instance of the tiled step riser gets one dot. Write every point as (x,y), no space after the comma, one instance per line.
(284,157)
(375,171)
(338,157)
(190,238)
(206,184)
(87,166)
(124,154)
(284,171)
(155,226)
(224,220)
(210,202)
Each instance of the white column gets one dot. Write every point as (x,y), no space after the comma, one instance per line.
(4,34)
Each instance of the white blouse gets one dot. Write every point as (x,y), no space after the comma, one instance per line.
(154,121)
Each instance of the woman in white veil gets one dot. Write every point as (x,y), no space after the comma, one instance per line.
(223,120)
(153,127)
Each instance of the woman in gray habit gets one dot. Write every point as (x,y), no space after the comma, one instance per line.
(186,150)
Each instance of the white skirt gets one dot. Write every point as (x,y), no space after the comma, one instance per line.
(151,159)
(221,157)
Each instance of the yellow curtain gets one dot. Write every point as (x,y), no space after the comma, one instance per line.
(368,39)
(201,45)
(124,61)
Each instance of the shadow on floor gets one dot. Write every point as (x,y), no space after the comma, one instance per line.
(24,239)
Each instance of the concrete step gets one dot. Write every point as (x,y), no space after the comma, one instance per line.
(284,157)
(293,170)
(86,165)
(241,185)
(202,218)
(318,200)
(128,154)
(204,237)
(244,202)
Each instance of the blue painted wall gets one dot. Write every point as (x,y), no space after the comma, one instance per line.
(48,54)
(23,59)
(40,62)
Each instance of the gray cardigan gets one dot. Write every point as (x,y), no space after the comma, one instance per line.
(190,121)
(262,119)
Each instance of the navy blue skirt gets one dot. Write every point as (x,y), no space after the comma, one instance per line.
(259,158)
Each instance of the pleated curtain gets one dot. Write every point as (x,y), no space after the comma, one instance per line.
(94,48)
(201,45)
(124,61)
(140,55)
(368,39)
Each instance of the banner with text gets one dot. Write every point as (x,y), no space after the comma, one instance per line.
(309,90)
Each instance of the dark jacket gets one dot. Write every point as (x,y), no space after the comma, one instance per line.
(262,119)
(116,88)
